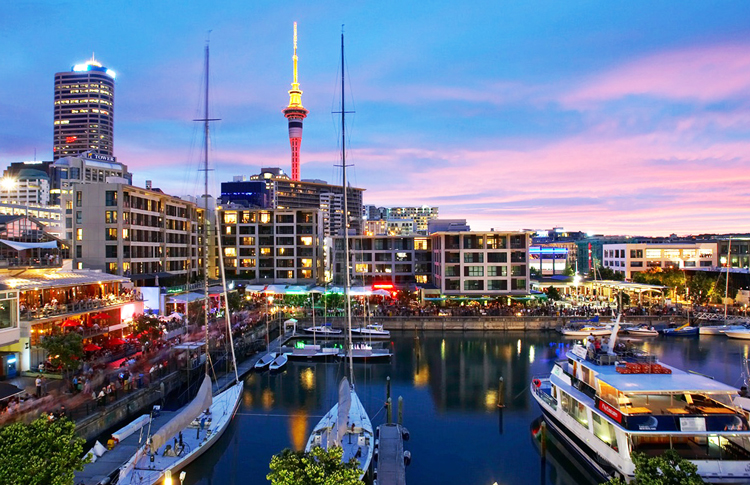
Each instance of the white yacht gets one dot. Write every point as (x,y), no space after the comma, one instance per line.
(326,329)
(374,330)
(609,405)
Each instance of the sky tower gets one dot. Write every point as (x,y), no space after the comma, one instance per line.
(295,113)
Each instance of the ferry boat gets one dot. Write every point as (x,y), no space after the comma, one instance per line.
(609,405)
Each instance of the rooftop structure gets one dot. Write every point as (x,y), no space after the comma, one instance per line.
(295,113)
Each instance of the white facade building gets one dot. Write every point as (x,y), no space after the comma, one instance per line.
(632,258)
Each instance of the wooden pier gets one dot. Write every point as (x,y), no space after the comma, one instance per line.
(390,467)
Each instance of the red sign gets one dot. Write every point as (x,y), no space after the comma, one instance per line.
(382,286)
(70,139)
(610,411)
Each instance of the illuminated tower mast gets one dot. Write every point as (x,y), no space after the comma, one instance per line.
(295,113)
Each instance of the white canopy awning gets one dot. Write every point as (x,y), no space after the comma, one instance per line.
(20,246)
(186,298)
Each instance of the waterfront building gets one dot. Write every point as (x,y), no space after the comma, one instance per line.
(419,216)
(295,113)
(377,259)
(136,232)
(447,225)
(24,241)
(273,189)
(85,168)
(40,301)
(553,257)
(629,258)
(477,263)
(739,260)
(283,246)
(84,110)
(26,186)
(49,216)
(390,227)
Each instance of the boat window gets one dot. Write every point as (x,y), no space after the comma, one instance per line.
(714,447)
(574,408)
(609,394)
(604,430)
(588,376)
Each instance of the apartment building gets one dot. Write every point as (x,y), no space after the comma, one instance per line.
(479,263)
(630,258)
(283,246)
(135,232)
(396,260)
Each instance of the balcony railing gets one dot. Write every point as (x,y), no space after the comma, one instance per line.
(52,310)
(31,262)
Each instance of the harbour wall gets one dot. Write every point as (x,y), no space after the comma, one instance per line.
(127,409)
(487,323)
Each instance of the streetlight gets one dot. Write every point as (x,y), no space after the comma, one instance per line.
(182,476)
(168,477)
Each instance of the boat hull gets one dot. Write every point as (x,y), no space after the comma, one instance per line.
(152,473)
(643,333)
(599,332)
(686,332)
(739,334)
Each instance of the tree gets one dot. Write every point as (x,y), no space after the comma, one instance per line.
(534,273)
(553,293)
(44,452)
(702,287)
(318,467)
(146,327)
(610,274)
(64,348)
(667,469)
(569,271)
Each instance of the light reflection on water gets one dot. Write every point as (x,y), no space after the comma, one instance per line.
(449,382)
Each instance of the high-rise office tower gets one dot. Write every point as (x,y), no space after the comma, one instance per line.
(295,113)
(84,110)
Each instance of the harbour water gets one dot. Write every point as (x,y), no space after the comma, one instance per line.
(449,382)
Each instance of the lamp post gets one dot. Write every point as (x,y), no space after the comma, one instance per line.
(269,300)
(182,477)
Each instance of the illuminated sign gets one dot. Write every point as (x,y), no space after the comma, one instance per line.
(70,139)
(102,158)
(610,411)
(382,286)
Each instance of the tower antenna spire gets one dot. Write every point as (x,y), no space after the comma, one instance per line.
(295,113)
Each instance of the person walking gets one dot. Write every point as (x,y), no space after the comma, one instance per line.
(38,387)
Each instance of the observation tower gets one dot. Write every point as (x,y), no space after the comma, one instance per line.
(295,113)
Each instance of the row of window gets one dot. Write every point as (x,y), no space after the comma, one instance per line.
(478,285)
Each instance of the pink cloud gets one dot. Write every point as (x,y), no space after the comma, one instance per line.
(700,73)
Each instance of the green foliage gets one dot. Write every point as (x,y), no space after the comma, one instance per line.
(146,326)
(534,273)
(667,469)
(235,301)
(318,467)
(64,348)
(702,287)
(40,453)
(569,271)
(672,278)
(553,293)
(609,274)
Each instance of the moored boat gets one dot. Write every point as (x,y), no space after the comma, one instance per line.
(326,329)
(643,331)
(612,404)
(366,352)
(683,331)
(743,333)
(265,361)
(719,329)
(577,331)
(278,363)
(373,330)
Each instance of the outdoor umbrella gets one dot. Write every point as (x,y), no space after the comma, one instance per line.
(291,321)
(71,323)
(100,316)
(91,348)
(114,342)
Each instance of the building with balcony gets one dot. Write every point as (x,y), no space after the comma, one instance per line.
(400,261)
(276,190)
(40,301)
(85,168)
(136,232)
(629,258)
(390,227)
(283,246)
(478,263)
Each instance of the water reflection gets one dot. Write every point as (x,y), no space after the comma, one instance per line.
(449,382)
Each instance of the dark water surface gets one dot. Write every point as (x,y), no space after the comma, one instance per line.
(449,382)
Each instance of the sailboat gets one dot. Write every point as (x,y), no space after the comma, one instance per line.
(199,424)
(347,424)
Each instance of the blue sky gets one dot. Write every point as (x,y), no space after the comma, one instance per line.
(614,117)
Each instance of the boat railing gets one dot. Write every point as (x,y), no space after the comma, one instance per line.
(542,387)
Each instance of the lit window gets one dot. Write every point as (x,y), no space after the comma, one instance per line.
(230,252)
(79,234)
(306,240)
(265,217)
(230,218)
(126,233)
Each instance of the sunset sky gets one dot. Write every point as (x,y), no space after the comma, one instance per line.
(612,117)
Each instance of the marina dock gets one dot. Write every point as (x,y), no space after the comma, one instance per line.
(106,465)
(390,466)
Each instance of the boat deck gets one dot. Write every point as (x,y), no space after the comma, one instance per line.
(390,461)
(104,466)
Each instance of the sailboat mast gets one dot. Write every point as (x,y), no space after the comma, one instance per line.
(345,223)
(206,300)
(726,287)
